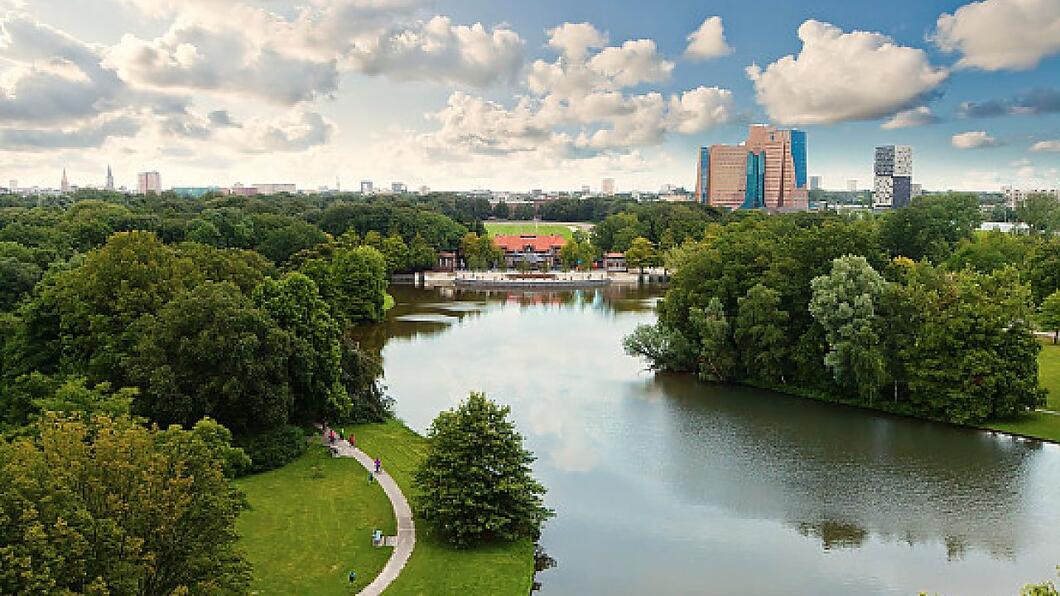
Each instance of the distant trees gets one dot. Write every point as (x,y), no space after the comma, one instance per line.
(475,484)
(577,253)
(480,252)
(761,334)
(930,226)
(1041,212)
(641,254)
(1049,314)
(106,505)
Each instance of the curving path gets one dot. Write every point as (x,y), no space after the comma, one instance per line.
(406,530)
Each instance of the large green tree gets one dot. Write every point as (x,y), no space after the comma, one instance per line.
(353,281)
(1049,315)
(718,359)
(761,333)
(109,506)
(476,485)
(845,303)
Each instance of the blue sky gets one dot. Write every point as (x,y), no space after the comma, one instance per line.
(506,95)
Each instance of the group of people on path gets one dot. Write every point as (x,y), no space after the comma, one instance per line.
(331,437)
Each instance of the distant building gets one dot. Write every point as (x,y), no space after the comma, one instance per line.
(239,190)
(194,192)
(916,190)
(14,185)
(398,187)
(366,187)
(276,188)
(1014,197)
(815,183)
(585,189)
(148,182)
(607,187)
(64,184)
(768,170)
(892,186)
(531,249)
(614,261)
(109,184)
(852,185)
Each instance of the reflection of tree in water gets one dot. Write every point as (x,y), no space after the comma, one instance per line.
(834,535)
(840,474)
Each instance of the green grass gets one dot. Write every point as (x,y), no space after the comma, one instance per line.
(436,568)
(541,229)
(1039,424)
(311,523)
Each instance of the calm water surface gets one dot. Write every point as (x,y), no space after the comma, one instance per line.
(666,485)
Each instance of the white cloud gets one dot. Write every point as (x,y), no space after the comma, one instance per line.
(841,76)
(708,41)
(574,40)
(1001,34)
(1052,146)
(635,61)
(438,50)
(700,109)
(973,139)
(297,132)
(919,116)
(193,57)
(92,133)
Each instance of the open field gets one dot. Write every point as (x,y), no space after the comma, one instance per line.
(527,227)
(435,568)
(1040,424)
(311,523)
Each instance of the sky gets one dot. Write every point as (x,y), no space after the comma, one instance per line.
(465,94)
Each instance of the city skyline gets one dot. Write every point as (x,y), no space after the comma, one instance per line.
(481,95)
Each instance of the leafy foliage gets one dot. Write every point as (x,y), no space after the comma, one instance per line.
(475,484)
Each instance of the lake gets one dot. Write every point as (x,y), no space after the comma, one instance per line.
(664,484)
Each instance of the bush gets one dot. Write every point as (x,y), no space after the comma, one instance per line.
(274,448)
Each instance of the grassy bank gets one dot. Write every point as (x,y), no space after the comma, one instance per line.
(541,229)
(1040,424)
(436,568)
(311,523)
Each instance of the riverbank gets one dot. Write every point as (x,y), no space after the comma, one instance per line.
(311,522)
(435,567)
(1043,424)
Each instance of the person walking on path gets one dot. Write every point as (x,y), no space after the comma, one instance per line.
(378,465)
(353,440)
(331,437)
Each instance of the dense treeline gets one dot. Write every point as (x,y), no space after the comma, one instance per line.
(910,311)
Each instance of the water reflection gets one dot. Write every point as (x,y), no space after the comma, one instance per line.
(670,486)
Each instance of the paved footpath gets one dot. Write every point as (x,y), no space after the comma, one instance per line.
(406,530)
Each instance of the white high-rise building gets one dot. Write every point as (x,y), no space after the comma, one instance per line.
(148,182)
(893,183)
(64,184)
(398,187)
(109,185)
(607,187)
(366,187)
(852,185)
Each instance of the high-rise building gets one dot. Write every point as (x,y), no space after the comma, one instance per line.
(893,183)
(366,187)
(607,187)
(852,185)
(13,186)
(64,184)
(399,187)
(109,185)
(148,182)
(768,170)
(815,183)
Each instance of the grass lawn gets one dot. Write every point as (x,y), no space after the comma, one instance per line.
(311,523)
(1038,424)
(498,570)
(530,227)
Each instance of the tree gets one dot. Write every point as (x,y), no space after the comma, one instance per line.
(501,210)
(641,254)
(845,303)
(761,334)
(665,349)
(396,254)
(930,226)
(108,506)
(476,484)
(210,352)
(282,242)
(576,254)
(421,256)
(480,252)
(353,282)
(1049,314)
(717,354)
(315,360)
(1041,212)
(1043,268)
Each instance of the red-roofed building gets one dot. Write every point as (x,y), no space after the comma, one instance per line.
(530,248)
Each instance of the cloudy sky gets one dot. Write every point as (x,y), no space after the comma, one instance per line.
(464,94)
